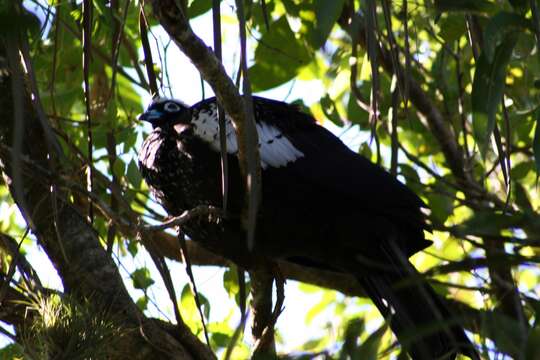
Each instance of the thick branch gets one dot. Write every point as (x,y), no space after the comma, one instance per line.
(71,244)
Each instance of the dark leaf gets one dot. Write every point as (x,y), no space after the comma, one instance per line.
(499,27)
(278,57)
(488,87)
(490,223)
(521,170)
(141,278)
(330,111)
(326,14)
(221,339)
(522,198)
(353,330)
(467,6)
(370,348)
(504,331)
(199,7)
(133,174)
(452,27)
(532,351)
(536,143)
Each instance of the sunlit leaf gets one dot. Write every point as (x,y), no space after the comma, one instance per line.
(142,302)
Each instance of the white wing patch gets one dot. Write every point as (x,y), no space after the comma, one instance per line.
(275,149)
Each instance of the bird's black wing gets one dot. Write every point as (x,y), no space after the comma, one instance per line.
(382,221)
(346,180)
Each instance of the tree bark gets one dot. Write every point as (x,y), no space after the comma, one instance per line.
(69,241)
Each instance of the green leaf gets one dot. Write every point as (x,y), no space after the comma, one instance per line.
(133,248)
(187,302)
(536,143)
(141,278)
(441,206)
(356,114)
(142,302)
(326,15)
(198,7)
(532,350)
(119,168)
(487,92)
(411,177)
(230,282)
(522,198)
(370,347)
(519,171)
(12,351)
(468,6)
(452,27)
(330,111)
(499,27)
(220,339)
(353,330)
(133,175)
(486,223)
(278,57)
(504,331)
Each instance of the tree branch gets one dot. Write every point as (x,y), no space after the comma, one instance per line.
(71,244)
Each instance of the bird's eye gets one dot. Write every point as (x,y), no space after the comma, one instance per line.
(171,107)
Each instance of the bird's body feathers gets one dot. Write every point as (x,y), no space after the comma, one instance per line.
(322,205)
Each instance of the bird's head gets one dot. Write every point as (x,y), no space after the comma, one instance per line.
(163,111)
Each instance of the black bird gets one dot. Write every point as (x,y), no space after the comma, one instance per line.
(323,206)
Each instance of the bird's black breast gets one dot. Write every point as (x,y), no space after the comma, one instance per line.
(173,164)
(184,172)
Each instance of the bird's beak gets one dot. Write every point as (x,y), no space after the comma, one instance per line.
(150,116)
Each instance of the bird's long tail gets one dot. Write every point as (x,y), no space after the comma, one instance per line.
(418,316)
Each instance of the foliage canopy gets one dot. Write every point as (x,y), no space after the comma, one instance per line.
(443,93)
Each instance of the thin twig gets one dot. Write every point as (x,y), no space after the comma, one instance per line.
(216,20)
(86,42)
(354,63)
(149,63)
(372,50)
(117,39)
(394,133)
(193,285)
(182,219)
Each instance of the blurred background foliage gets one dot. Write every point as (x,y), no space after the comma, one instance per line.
(392,74)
